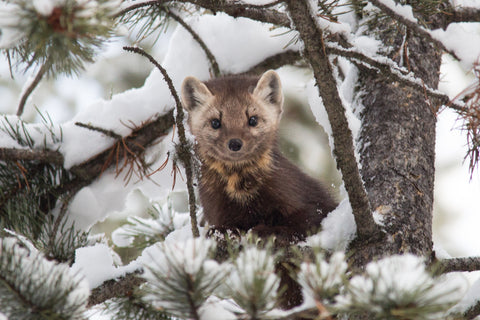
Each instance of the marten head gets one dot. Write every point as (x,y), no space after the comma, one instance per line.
(234,119)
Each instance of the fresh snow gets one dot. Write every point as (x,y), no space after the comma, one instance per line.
(111,197)
(96,264)
(470,298)
(47,276)
(465,3)
(402,10)
(45,7)
(394,279)
(463,39)
(338,229)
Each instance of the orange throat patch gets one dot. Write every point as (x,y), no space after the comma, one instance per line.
(242,180)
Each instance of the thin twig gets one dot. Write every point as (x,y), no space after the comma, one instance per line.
(210,56)
(138,6)
(106,132)
(31,87)
(185,155)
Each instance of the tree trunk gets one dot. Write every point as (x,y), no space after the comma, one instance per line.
(398,150)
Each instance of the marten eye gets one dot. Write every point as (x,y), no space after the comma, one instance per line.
(216,124)
(253,121)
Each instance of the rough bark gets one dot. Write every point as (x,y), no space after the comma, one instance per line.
(398,150)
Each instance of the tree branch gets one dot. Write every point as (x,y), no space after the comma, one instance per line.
(276,61)
(117,288)
(184,150)
(139,139)
(315,53)
(230,7)
(50,156)
(108,133)
(413,26)
(452,15)
(203,45)
(463,15)
(458,264)
(389,69)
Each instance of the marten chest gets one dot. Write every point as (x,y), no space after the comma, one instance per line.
(241,185)
(237,199)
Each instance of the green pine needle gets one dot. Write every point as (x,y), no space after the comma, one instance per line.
(65,38)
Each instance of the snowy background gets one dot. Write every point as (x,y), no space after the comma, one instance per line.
(113,91)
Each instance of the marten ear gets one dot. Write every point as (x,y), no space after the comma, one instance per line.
(269,89)
(194,93)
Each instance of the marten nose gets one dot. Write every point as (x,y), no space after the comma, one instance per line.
(235,144)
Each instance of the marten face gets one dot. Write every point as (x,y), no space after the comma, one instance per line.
(235,119)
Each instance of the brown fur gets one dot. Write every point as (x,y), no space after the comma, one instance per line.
(256,187)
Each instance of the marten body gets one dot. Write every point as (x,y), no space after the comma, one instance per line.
(246,182)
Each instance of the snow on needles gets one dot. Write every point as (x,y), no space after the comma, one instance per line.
(402,283)
(47,285)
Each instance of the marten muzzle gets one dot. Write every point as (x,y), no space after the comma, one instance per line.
(235,144)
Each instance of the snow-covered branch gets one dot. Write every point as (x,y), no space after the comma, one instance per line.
(410,22)
(230,7)
(389,69)
(117,288)
(140,138)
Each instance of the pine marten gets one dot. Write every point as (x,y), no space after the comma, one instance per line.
(246,182)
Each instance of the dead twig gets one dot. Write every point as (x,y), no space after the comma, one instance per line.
(30,88)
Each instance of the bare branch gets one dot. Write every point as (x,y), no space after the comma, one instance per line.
(458,264)
(315,53)
(31,87)
(210,56)
(276,61)
(230,7)
(413,26)
(139,139)
(12,154)
(184,150)
(464,15)
(452,14)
